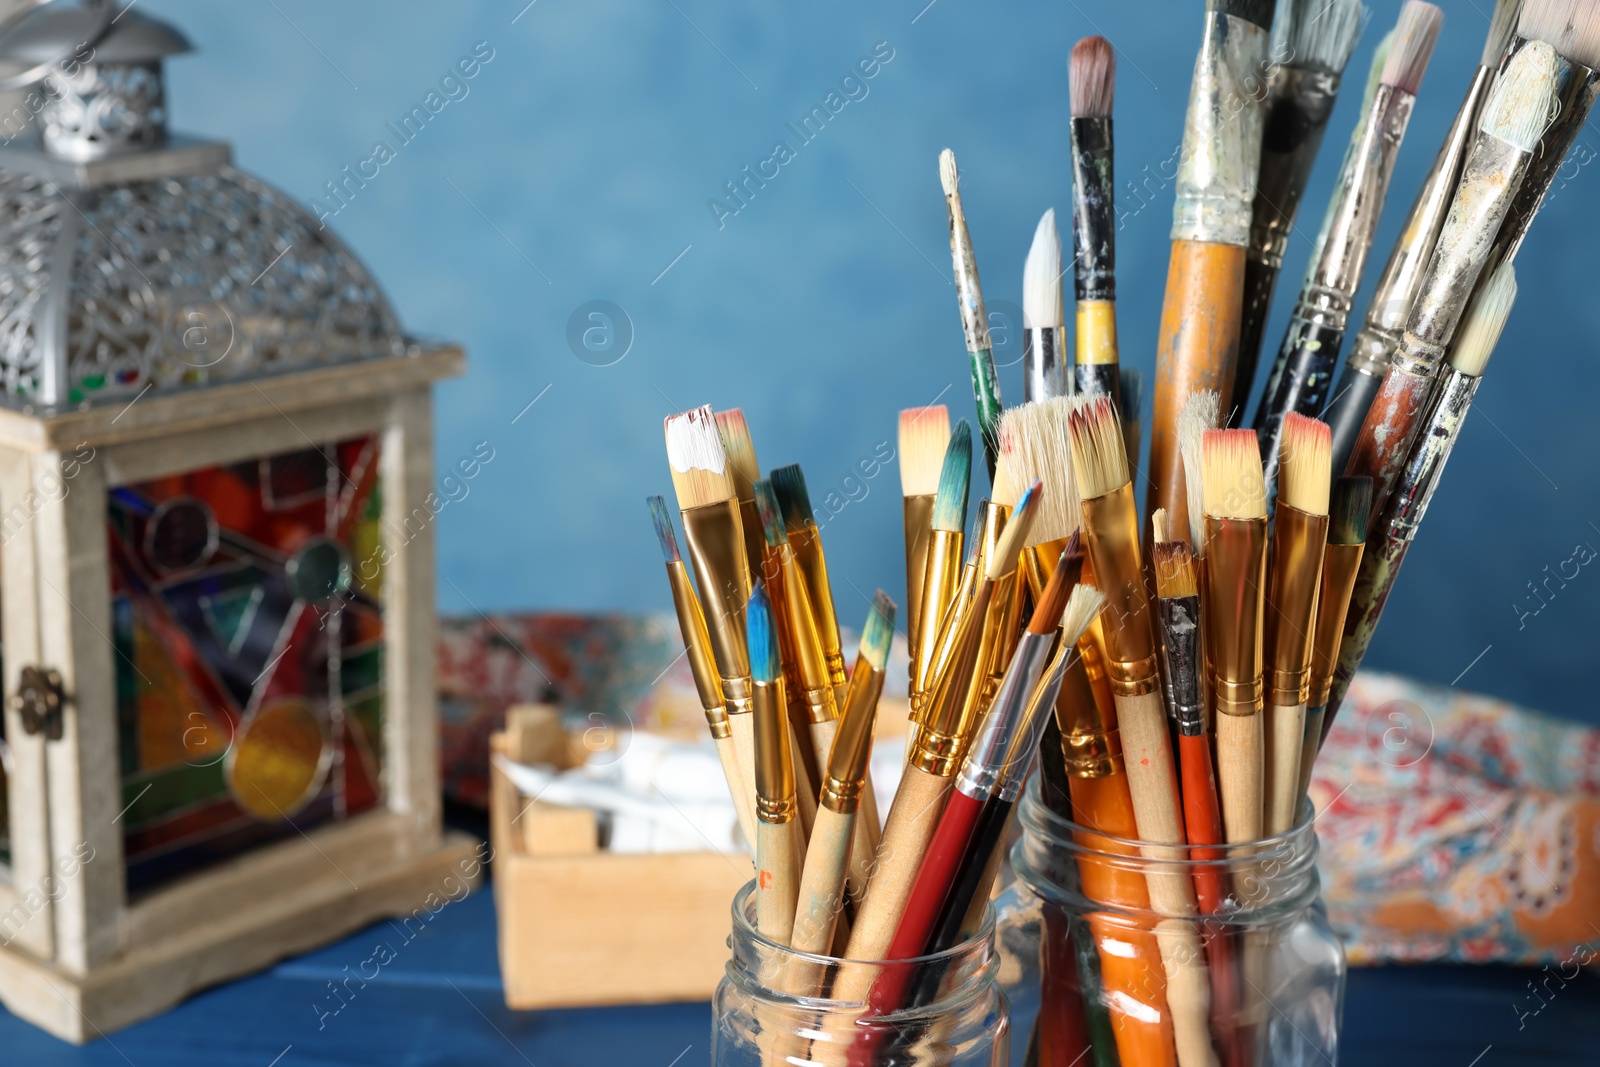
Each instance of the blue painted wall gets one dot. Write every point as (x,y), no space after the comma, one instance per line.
(577,164)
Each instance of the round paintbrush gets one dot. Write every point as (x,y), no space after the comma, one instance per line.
(777,823)
(1045,361)
(974,319)
(924,433)
(1093,85)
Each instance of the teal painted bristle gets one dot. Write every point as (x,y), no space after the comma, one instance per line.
(1349,509)
(762,638)
(771,516)
(950,505)
(878,634)
(663,524)
(790,485)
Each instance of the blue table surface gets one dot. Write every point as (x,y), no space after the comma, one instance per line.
(437,1003)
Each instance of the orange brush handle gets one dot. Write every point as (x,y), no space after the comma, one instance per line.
(1197,348)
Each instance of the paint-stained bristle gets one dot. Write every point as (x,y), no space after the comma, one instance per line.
(1177,574)
(1004,558)
(1041,276)
(924,433)
(1414,37)
(1009,478)
(955,476)
(1082,607)
(771,513)
(1485,319)
(949,179)
(1305,464)
(1380,60)
(699,463)
(1572,27)
(741,452)
(790,486)
(665,535)
(1099,457)
(1350,509)
(1201,412)
(1235,487)
(761,637)
(1522,103)
(1093,78)
(1034,443)
(1501,25)
(1159,526)
(878,634)
(1321,33)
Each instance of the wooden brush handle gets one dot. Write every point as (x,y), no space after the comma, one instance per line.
(1310,741)
(913,817)
(805,797)
(1240,752)
(1285,732)
(822,883)
(1188,992)
(742,738)
(744,800)
(777,879)
(1147,753)
(864,827)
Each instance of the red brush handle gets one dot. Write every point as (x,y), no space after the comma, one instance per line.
(1202,820)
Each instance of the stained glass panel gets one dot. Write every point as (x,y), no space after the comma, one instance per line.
(249,641)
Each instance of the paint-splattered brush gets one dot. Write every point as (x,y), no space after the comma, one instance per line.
(1093,84)
(974,319)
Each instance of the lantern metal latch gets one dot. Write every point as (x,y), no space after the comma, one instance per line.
(39,700)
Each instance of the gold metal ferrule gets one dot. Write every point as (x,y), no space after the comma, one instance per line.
(852,742)
(1236,583)
(945,644)
(813,564)
(1111,540)
(1039,564)
(755,540)
(775,797)
(1340,564)
(805,665)
(919,531)
(994,524)
(940,576)
(697,645)
(1089,746)
(1296,573)
(945,726)
(714,535)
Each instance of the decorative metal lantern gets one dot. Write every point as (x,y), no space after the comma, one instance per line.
(216,579)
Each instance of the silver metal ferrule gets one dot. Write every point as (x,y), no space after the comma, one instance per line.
(1037,715)
(1222,134)
(1425,466)
(1373,349)
(986,758)
(1045,368)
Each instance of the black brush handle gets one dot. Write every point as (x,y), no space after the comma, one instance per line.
(1348,410)
(1260,279)
(1299,382)
(1100,379)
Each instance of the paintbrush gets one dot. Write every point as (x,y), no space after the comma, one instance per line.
(1516,114)
(744,470)
(1312,41)
(1396,526)
(1304,367)
(1348,513)
(1299,538)
(1235,580)
(801,525)
(1093,85)
(715,536)
(1045,361)
(777,825)
(697,646)
(924,434)
(974,319)
(1199,331)
(942,572)
(1391,302)
(833,848)
(1202,411)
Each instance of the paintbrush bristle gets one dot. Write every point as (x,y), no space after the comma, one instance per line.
(1305,463)
(1177,574)
(1320,33)
(1522,103)
(877,636)
(790,486)
(1256,11)
(771,513)
(1235,487)
(1501,25)
(1571,27)
(1099,457)
(1004,558)
(1053,599)
(1041,276)
(740,450)
(1201,412)
(1035,443)
(1350,510)
(1092,81)
(1485,319)
(949,179)
(699,463)
(1414,37)
(1159,526)
(1380,60)
(665,535)
(761,637)
(955,476)
(1082,607)
(924,433)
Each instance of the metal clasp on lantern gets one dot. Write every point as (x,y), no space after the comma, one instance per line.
(39,700)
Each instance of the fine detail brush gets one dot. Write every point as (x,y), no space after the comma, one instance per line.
(974,319)
(1299,538)
(1396,526)
(1348,513)
(1316,37)
(777,825)
(697,647)
(1093,85)
(743,468)
(942,570)
(1198,337)
(1304,367)
(1390,306)
(1045,362)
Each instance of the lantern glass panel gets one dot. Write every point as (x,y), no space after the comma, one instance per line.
(247,619)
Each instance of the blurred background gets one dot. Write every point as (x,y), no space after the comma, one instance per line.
(590,156)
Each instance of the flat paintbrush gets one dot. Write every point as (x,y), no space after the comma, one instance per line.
(974,319)
(924,434)
(1348,513)
(743,468)
(777,824)
(1093,84)
(1046,364)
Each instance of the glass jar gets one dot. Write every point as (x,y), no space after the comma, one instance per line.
(780,1007)
(1097,978)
